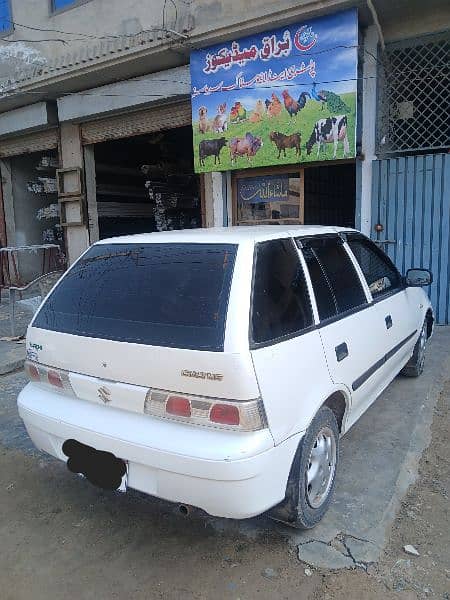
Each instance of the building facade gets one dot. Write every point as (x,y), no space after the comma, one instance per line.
(97,120)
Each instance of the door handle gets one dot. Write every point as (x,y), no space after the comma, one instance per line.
(388,321)
(341,351)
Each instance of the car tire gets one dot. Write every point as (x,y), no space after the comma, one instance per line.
(414,367)
(313,474)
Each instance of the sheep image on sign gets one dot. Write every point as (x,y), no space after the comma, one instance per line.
(280,97)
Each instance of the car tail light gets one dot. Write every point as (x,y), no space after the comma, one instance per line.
(226,414)
(32,371)
(54,378)
(210,412)
(49,376)
(179,406)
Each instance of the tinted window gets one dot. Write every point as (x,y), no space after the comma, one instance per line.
(326,304)
(281,304)
(337,270)
(158,294)
(381,275)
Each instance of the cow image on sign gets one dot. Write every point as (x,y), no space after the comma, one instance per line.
(329,131)
(269,98)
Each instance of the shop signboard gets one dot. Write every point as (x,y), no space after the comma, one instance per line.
(254,190)
(268,198)
(281,97)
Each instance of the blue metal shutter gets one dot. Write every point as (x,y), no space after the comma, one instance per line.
(411,199)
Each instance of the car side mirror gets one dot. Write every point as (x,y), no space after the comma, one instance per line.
(418,277)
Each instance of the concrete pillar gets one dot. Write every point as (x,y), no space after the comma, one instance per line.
(71,154)
(229,199)
(8,201)
(368,130)
(214,200)
(91,193)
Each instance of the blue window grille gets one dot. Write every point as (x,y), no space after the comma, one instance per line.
(5,17)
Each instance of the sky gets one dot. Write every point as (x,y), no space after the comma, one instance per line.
(335,54)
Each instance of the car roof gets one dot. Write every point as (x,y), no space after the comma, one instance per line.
(224,235)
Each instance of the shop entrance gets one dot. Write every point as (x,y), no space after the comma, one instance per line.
(146,183)
(330,195)
(292,195)
(35,244)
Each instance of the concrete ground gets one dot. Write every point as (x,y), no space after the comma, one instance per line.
(12,351)
(61,536)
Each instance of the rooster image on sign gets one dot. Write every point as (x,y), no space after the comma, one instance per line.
(294,106)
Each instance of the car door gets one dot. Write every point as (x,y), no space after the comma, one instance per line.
(286,347)
(397,310)
(350,335)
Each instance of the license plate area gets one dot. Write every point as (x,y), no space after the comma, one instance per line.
(102,469)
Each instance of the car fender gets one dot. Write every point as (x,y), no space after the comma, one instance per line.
(294,382)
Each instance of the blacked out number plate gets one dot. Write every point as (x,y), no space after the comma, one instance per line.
(102,469)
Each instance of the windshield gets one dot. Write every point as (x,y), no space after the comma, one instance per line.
(173,295)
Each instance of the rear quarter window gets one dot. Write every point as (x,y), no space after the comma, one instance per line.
(172,295)
(281,305)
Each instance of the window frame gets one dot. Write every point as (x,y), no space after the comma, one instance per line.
(312,302)
(318,323)
(383,295)
(6,32)
(53,10)
(299,241)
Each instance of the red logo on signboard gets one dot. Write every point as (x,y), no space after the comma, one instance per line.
(305,38)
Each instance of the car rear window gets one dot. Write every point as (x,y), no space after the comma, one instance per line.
(173,295)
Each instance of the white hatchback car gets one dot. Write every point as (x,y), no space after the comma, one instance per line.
(218,367)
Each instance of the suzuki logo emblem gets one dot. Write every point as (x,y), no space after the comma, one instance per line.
(104,394)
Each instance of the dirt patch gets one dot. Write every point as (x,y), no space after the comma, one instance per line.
(61,537)
(423,522)
(64,538)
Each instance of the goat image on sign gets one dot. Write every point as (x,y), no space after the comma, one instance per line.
(231,363)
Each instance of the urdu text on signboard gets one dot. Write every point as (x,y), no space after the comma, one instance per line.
(280,97)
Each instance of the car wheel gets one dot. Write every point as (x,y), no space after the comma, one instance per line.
(312,479)
(414,367)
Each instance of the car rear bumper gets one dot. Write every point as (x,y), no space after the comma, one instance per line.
(226,473)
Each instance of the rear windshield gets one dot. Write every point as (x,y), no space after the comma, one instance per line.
(155,294)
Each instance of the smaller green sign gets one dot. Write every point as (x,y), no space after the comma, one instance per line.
(253,190)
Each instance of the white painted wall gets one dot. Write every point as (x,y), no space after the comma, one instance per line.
(132,93)
(369,108)
(77,237)
(44,35)
(214,199)
(28,118)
